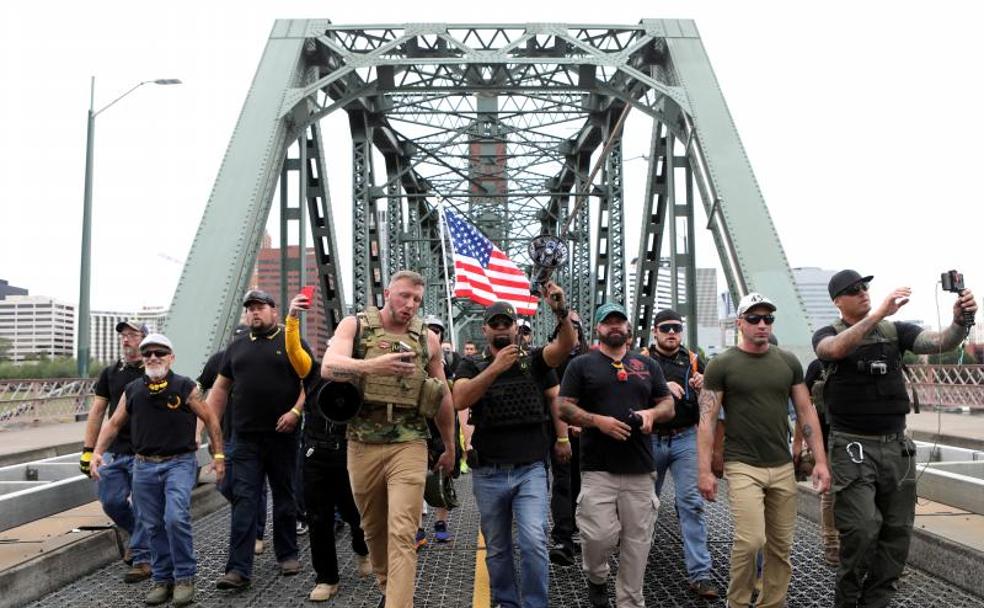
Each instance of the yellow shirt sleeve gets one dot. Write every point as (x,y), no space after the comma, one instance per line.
(299,358)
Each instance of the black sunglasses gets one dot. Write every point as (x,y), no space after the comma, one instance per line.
(755,319)
(855,289)
(500,323)
(160,354)
(666,328)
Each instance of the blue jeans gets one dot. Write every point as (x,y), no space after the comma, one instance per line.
(679,455)
(521,495)
(225,487)
(162,492)
(272,455)
(115,488)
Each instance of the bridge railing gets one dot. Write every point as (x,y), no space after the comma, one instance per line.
(43,400)
(947,385)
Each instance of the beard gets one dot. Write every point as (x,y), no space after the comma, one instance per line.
(614,339)
(155,372)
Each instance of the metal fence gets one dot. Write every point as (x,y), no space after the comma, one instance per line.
(947,385)
(45,400)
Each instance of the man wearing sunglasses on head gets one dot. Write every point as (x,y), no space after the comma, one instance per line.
(873,461)
(512,396)
(675,445)
(754,382)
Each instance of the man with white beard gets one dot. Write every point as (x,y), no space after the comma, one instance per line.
(162,409)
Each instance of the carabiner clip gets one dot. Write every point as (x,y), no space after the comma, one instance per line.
(860,457)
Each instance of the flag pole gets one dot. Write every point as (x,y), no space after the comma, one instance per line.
(447,281)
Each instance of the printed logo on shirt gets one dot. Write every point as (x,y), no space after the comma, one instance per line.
(637,368)
(174,402)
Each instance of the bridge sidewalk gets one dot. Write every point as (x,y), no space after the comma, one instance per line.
(25,444)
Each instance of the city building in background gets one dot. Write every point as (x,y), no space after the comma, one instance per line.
(812,285)
(266,276)
(105,344)
(37,327)
(6,289)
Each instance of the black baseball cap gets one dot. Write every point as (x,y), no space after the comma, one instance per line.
(845,279)
(500,309)
(667,314)
(257,295)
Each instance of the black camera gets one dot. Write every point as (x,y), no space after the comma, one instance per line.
(873,368)
(953,282)
(634,420)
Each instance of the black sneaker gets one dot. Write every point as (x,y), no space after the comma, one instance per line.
(706,589)
(598,595)
(561,554)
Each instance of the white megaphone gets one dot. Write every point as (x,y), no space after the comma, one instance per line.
(547,252)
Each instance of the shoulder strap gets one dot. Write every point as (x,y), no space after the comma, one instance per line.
(362,328)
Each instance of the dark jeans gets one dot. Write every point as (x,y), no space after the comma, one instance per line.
(326,487)
(225,487)
(563,494)
(257,454)
(874,510)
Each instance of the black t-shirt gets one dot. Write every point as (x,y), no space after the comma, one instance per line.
(678,368)
(206,380)
(592,380)
(265,385)
(516,444)
(110,385)
(162,422)
(874,424)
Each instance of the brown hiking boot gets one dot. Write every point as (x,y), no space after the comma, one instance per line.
(159,593)
(290,567)
(139,572)
(232,580)
(184,593)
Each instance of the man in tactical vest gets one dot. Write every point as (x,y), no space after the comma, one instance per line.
(675,445)
(397,364)
(116,478)
(864,393)
(615,395)
(512,395)
(162,410)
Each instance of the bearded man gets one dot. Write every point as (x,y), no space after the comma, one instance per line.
(615,396)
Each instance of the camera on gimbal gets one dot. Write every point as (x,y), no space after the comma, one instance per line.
(873,368)
(953,282)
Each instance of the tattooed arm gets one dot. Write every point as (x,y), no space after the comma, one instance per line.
(806,415)
(572,414)
(837,347)
(710,406)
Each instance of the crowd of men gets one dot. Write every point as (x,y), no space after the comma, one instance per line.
(583,435)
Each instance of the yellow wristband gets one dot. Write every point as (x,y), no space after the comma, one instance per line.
(219,456)
(296,411)
(563,440)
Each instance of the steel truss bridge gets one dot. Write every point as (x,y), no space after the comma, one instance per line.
(506,124)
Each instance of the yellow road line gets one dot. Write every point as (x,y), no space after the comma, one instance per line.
(480,592)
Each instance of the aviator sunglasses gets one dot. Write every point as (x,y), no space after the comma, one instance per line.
(755,319)
(160,354)
(500,323)
(666,328)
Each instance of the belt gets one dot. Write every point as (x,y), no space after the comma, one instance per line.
(318,444)
(879,438)
(159,459)
(672,432)
(506,467)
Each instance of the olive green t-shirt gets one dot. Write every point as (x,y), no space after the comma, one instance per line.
(756,390)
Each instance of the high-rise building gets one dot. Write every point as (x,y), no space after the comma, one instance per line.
(267,277)
(36,327)
(105,345)
(6,289)
(708,326)
(812,285)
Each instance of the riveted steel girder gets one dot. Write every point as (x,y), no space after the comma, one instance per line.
(496,120)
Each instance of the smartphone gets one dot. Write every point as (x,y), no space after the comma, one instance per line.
(308,292)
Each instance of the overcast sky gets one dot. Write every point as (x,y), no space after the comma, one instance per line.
(862,121)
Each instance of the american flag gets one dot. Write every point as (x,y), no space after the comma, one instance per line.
(482,272)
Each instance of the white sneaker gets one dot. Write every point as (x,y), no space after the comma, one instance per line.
(258,546)
(322,592)
(364,565)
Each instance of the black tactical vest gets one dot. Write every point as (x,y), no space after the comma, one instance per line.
(512,400)
(856,385)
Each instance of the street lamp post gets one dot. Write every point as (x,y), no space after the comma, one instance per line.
(82,352)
